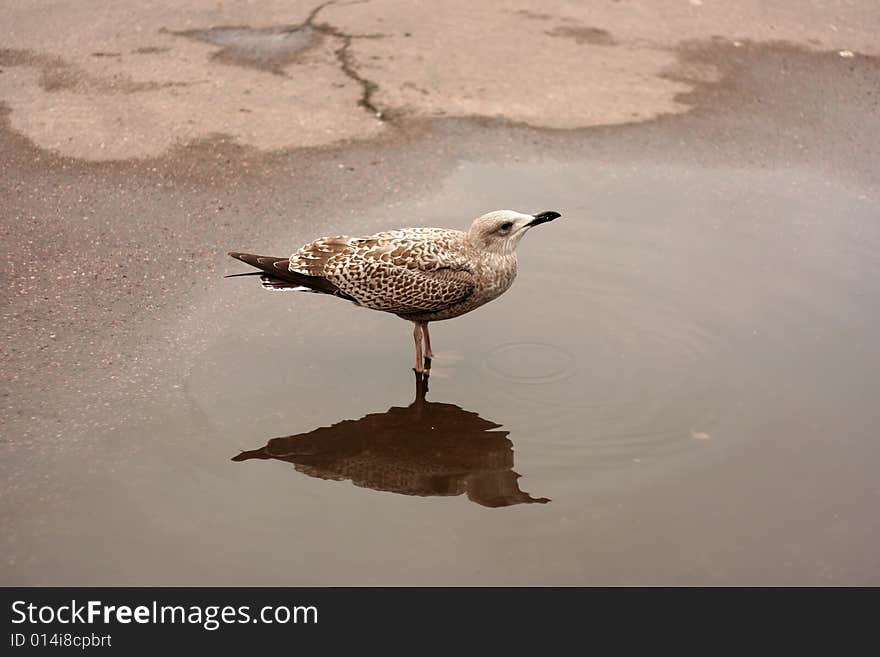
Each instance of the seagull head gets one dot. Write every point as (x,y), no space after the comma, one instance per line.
(501,231)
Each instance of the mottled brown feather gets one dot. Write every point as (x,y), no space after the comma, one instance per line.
(405,272)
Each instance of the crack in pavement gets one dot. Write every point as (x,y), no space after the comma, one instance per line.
(272,49)
(368,87)
(343,55)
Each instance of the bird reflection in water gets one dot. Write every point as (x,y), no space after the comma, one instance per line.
(425,449)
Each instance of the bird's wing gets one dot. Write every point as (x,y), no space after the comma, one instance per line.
(411,271)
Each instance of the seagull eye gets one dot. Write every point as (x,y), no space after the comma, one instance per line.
(506,226)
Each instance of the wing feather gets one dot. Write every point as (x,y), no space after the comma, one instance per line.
(402,272)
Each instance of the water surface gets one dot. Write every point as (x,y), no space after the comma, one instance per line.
(679,388)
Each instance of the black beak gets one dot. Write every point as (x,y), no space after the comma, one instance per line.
(543,218)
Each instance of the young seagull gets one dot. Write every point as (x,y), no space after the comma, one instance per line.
(419,274)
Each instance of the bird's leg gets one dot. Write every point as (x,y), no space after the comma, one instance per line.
(417,336)
(429,355)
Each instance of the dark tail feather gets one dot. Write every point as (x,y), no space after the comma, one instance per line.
(252,454)
(269,264)
(277,268)
(247,273)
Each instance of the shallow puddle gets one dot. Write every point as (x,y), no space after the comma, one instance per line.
(680,387)
(269,49)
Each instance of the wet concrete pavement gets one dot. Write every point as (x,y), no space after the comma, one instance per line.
(685,367)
